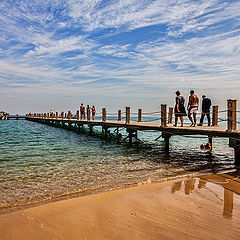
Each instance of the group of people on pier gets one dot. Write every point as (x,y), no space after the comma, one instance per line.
(88,108)
(192,109)
(4,115)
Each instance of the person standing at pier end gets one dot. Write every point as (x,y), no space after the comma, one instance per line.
(93,112)
(206,104)
(179,109)
(193,108)
(82,111)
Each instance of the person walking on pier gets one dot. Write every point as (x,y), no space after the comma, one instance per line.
(206,104)
(51,112)
(82,111)
(193,108)
(179,109)
(93,112)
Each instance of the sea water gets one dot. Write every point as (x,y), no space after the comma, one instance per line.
(41,163)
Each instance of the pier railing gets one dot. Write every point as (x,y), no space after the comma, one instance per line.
(164,115)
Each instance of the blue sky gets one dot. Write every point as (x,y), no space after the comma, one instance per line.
(57,54)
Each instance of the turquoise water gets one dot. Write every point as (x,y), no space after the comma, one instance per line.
(40,163)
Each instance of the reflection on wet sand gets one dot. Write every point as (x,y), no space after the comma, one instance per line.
(202,183)
(229,182)
(176,186)
(189,185)
(228,203)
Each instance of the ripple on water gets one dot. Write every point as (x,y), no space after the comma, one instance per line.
(39,162)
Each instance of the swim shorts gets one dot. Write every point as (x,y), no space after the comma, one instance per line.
(193,109)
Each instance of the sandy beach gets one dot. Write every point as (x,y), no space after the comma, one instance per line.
(197,208)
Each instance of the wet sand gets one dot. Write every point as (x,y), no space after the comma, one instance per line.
(199,208)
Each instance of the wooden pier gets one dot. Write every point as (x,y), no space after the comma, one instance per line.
(12,117)
(165,126)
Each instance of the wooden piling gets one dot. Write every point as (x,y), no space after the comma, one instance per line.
(127,114)
(69,115)
(88,115)
(210,140)
(77,115)
(170,115)
(62,115)
(214,115)
(130,135)
(119,115)
(104,115)
(90,129)
(232,115)
(163,115)
(56,115)
(139,115)
(166,137)
(237,155)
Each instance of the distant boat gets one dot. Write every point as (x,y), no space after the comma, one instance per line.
(4,115)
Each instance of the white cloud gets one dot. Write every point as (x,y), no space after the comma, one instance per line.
(37,35)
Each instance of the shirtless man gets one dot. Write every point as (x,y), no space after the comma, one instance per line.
(82,111)
(193,108)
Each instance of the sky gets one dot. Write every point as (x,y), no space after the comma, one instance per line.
(57,54)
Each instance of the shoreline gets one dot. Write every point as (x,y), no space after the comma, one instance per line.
(97,190)
(206,207)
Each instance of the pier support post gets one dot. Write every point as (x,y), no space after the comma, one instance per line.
(131,134)
(237,155)
(232,115)
(170,115)
(104,131)
(69,115)
(210,140)
(214,115)
(127,114)
(90,129)
(234,143)
(88,115)
(163,115)
(77,115)
(166,137)
(139,115)
(104,115)
(119,115)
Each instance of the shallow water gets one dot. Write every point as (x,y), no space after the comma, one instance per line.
(40,162)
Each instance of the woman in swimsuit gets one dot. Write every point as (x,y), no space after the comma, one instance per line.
(93,112)
(179,108)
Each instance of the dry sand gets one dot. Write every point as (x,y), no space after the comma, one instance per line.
(187,209)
